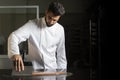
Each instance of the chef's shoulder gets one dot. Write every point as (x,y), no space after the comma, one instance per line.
(33,21)
(59,27)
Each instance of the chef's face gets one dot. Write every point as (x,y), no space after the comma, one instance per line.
(50,18)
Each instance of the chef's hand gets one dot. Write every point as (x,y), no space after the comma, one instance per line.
(18,62)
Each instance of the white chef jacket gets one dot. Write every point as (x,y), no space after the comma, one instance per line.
(46,45)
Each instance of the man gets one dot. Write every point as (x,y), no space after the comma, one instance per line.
(46,41)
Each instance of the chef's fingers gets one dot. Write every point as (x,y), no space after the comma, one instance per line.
(22,65)
(19,66)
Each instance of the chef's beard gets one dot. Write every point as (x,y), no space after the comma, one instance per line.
(49,25)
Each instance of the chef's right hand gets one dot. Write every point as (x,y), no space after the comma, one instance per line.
(18,62)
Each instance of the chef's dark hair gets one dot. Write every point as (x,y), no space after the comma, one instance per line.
(56,8)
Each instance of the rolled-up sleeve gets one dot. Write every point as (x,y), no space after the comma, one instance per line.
(16,37)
